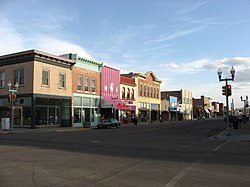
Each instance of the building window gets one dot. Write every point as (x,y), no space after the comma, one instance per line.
(151,92)
(93,85)
(128,94)
(19,76)
(79,83)
(148,91)
(2,79)
(145,90)
(132,94)
(141,90)
(45,77)
(123,93)
(154,92)
(157,93)
(62,80)
(86,84)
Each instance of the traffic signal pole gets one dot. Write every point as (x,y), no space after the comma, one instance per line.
(228,127)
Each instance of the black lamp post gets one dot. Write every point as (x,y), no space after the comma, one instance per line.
(12,90)
(232,72)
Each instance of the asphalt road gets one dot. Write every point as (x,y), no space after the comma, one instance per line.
(165,154)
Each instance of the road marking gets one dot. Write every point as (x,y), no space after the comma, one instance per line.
(180,175)
(219,146)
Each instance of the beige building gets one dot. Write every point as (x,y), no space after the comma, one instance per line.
(148,101)
(45,88)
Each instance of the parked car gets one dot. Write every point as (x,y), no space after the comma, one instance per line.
(201,117)
(112,122)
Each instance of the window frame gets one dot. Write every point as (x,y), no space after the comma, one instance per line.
(62,83)
(93,86)
(18,75)
(79,83)
(44,78)
(2,79)
(86,84)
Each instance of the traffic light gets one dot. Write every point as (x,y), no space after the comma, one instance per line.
(223,90)
(229,90)
(9,98)
(15,98)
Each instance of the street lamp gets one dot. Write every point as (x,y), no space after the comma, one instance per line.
(245,101)
(114,108)
(12,90)
(232,72)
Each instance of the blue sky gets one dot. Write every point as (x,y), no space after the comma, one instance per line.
(183,42)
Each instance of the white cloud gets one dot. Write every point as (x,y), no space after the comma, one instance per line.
(12,41)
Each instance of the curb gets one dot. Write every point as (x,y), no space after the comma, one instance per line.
(73,130)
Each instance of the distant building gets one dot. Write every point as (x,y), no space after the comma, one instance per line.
(202,106)
(184,102)
(148,99)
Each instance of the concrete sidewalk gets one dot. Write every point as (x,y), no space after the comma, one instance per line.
(239,135)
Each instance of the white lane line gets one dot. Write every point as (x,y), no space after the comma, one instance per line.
(180,175)
(219,146)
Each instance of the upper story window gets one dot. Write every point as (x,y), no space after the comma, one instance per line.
(19,76)
(2,79)
(86,84)
(62,79)
(148,91)
(157,93)
(145,90)
(154,93)
(132,94)
(141,90)
(123,93)
(79,83)
(45,77)
(93,86)
(128,94)
(151,92)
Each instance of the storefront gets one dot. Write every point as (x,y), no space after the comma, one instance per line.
(85,111)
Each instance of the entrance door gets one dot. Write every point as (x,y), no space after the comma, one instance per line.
(18,116)
(53,116)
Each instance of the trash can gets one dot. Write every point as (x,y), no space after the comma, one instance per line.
(235,124)
(135,121)
(5,124)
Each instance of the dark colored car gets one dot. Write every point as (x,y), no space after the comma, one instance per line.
(112,122)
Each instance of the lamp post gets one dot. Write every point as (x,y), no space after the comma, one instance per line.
(114,110)
(232,72)
(12,90)
(245,103)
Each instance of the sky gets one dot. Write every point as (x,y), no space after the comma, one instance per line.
(183,42)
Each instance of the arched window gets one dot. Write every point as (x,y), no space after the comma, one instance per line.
(123,93)
(132,94)
(128,94)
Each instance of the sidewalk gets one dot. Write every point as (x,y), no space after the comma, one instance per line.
(239,135)
(44,130)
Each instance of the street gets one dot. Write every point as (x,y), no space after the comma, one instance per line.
(164,154)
